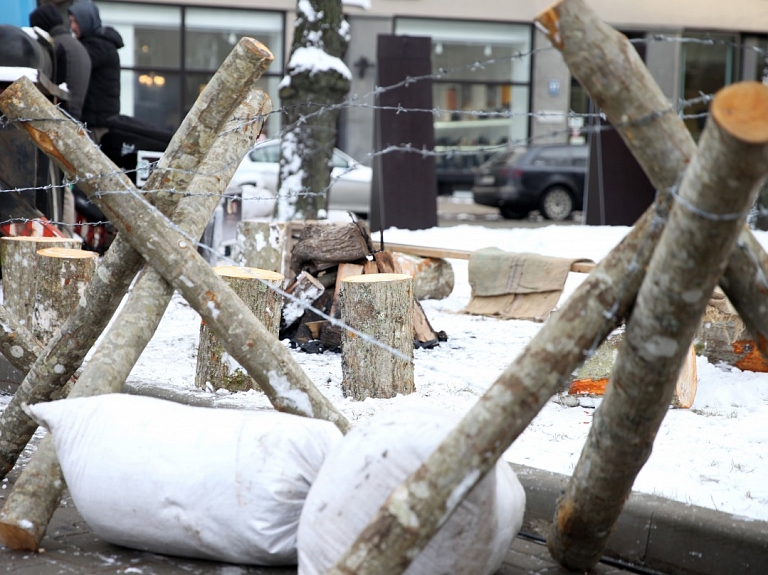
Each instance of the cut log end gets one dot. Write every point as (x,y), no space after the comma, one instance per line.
(67,253)
(246,272)
(742,110)
(548,21)
(257,48)
(371,278)
(16,538)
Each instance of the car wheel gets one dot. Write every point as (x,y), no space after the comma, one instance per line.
(556,204)
(509,214)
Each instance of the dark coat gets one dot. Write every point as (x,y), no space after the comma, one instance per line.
(103,97)
(73,65)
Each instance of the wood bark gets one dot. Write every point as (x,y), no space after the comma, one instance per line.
(610,70)
(263,245)
(259,291)
(304,292)
(717,190)
(18,257)
(310,99)
(433,278)
(379,306)
(63,275)
(327,244)
(592,378)
(176,258)
(29,508)
(17,343)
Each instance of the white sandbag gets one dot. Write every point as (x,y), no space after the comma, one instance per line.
(375,457)
(218,484)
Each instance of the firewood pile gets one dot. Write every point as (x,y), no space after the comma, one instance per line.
(319,256)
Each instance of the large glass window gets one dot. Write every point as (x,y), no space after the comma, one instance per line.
(708,65)
(171,53)
(482,86)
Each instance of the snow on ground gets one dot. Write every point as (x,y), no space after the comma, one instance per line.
(713,455)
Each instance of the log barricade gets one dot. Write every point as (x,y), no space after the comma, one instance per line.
(380,306)
(216,369)
(18,257)
(63,275)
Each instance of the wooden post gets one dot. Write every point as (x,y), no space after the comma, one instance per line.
(378,305)
(716,193)
(215,367)
(18,257)
(62,277)
(263,245)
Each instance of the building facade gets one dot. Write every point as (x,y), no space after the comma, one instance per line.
(496,81)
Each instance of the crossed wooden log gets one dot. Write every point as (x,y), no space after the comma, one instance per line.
(659,277)
(199,162)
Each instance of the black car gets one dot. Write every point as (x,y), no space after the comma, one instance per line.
(545,178)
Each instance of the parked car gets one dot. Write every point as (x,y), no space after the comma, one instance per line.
(255,180)
(548,178)
(456,171)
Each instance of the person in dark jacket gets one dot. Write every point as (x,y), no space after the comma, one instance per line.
(102,100)
(73,65)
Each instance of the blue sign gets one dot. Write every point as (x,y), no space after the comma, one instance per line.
(16,12)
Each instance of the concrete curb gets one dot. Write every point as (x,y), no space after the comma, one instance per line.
(661,534)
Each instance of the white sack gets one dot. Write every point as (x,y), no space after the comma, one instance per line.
(219,484)
(372,459)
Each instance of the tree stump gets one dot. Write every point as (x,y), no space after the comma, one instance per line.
(215,367)
(262,245)
(18,257)
(62,276)
(379,306)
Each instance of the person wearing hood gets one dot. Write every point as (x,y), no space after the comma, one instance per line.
(102,100)
(73,65)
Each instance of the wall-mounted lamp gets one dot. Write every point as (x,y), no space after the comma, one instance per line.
(362,64)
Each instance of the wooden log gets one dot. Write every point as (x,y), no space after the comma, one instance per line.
(63,275)
(344,271)
(175,257)
(613,74)
(591,380)
(433,278)
(716,193)
(304,292)
(216,369)
(263,245)
(18,258)
(323,245)
(379,306)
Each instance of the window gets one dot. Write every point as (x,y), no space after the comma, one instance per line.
(171,52)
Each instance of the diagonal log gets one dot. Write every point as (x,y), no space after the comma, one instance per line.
(37,492)
(65,352)
(173,255)
(719,186)
(615,77)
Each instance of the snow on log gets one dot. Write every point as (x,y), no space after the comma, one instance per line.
(379,306)
(717,190)
(63,275)
(304,292)
(593,377)
(263,245)
(18,258)
(216,369)
(610,70)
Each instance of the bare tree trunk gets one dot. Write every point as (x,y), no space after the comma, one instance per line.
(37,492)
(18,257)
(68,348)
(714,198)
(378,305)
(174,256)
(62,277)
(616,79)
(257,290)
(17,343)
(310,99)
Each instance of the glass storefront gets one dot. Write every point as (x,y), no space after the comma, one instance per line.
(482,93)
(172,51)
